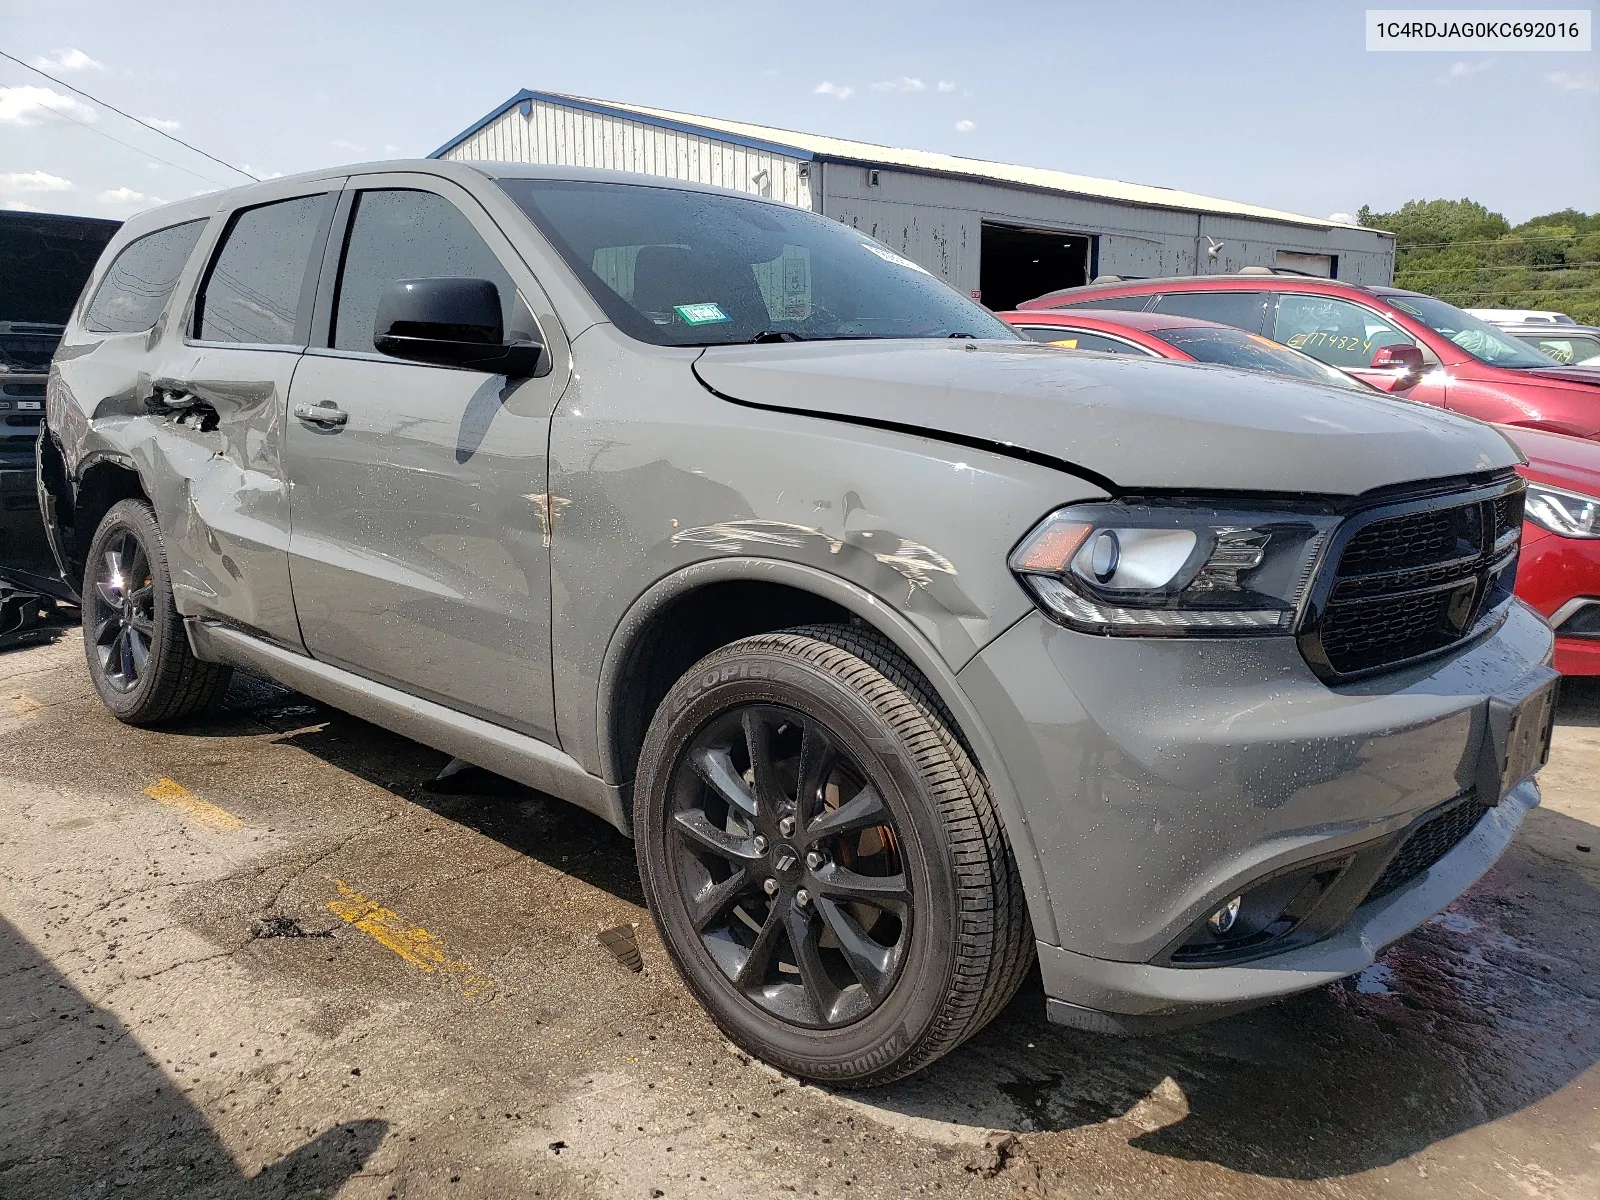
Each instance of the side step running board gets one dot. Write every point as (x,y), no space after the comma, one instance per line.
(493,747)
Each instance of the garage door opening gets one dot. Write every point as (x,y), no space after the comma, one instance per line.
(1018,264)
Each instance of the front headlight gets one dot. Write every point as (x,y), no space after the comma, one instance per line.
(1571,514)
(1172,569)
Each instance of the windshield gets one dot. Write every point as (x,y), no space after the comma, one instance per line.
(686,268)
(1478,338)
(1251,352)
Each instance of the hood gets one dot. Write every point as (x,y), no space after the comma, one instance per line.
(1137,423)
(1575,374)
(1556,459)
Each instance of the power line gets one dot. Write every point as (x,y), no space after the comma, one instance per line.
(1500,241)
(1580,266)
(111,137)
(131,117)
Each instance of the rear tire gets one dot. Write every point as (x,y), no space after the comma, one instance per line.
(848,922)
(133,637)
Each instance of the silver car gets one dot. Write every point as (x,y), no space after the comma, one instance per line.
(910,653)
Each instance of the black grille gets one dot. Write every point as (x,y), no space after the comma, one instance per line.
(1427,844)
(1415,582)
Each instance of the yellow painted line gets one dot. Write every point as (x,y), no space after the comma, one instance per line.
(202,812)
(413,943)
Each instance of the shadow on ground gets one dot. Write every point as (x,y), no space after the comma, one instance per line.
(1487,1009)
(84,1112)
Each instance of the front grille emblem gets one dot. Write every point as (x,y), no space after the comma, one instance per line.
(1459,611)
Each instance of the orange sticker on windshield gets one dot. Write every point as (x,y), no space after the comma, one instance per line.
(1065,343)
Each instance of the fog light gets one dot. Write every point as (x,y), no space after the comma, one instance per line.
(1224,918)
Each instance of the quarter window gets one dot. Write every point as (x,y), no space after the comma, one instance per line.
(402,234)
(140,280)
(1242,310)
(254,292)
(1339,333)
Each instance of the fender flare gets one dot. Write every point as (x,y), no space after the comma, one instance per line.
(911,642)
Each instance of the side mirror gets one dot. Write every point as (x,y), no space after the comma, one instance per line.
(453,322)
(1405,360)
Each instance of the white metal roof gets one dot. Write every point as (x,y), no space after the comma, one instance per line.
(820,146)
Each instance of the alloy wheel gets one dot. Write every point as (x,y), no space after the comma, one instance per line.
(788,862)
(123,612)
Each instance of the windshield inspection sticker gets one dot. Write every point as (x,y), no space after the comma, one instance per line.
(701,314)
(889,256)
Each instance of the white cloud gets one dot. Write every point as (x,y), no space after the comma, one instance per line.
(391,148)
(341,144)
(1571,81)
(15,184)
(947,85)
(1342,218)
(965,126)
(29,105)
(839,91)
(164,125)
(33,181)
(259,173)
(125,201)
(1466,70)
(68,58)
(904,84)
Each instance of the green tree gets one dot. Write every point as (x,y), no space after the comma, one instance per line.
(1462,252)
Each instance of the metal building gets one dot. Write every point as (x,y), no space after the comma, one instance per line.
(999,232)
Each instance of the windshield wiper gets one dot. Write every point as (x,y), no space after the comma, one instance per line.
(776,335)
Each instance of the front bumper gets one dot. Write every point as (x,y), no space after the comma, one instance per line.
(1162,776)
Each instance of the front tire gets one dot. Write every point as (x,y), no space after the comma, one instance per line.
(138,655)
(822,858)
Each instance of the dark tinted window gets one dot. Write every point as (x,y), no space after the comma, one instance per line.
(685,268)
(1242,310)
(254,290)
(140,280)
(1252,352)
(399,234)
(1123,303)
(1079,339)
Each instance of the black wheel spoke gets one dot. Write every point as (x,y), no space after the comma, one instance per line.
(817,759)
(757,962)
(106,629)
(758,741)
(142,624)
(870,962)
(110,596)
(138,650)
(803,933)
(865,810)
(696,827)
(888,892)
(715,901)
(124,651)
(716,768)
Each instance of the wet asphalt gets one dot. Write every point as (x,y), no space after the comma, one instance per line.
(257,957)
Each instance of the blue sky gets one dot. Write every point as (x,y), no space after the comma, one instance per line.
(1275,104)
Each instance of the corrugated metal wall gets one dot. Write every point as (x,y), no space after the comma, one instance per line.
(557,135)
(934,220)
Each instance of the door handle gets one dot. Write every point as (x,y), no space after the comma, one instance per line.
(327,415)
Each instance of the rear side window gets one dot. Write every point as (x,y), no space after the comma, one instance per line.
(253,294)
(402,234)
(1079,339)
(1242,310)
(140,280)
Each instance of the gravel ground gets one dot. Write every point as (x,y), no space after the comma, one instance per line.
(258,958)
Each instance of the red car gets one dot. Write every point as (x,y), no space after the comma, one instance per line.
(1559,573)
(1406,343)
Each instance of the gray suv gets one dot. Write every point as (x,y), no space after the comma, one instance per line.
(910,653)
